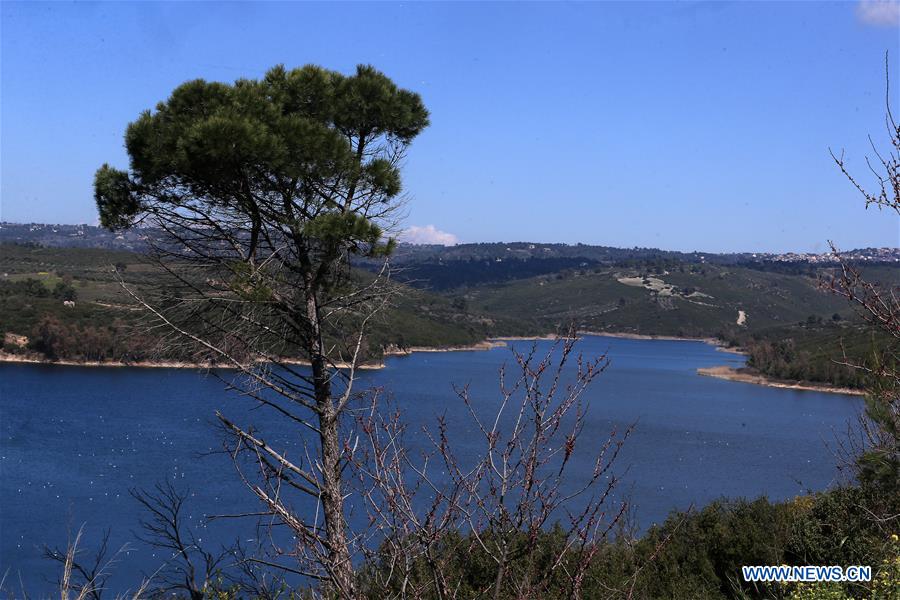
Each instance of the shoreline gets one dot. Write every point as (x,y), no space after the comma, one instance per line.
(645,336)
(744,376)
(626,336)
(34,359)
(521,338)
(152,364)
(741,375)
(478,346)
(487,344)
(668,338)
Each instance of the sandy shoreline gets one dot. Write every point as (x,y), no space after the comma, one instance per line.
(485,345)
(744,376)
(168,364)
(488,344)
(522,338)
(626,336)
(643,336)
(729,350)
(149,364)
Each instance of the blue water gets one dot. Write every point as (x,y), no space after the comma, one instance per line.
(75,440)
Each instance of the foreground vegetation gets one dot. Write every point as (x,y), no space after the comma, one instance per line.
(693,555)
(698,555)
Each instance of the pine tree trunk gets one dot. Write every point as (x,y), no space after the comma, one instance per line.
(338,551)
(333,507)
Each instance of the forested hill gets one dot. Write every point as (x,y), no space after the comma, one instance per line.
(466,265)
(773,305)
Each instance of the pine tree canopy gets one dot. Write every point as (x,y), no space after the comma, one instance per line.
(308,152)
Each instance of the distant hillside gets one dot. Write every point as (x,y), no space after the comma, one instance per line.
(689,300)
(71,236)
(460,295)
(425,257)
(66,303)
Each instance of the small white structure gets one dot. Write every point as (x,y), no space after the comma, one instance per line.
(69,303)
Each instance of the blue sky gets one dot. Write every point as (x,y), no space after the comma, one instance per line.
(674,125)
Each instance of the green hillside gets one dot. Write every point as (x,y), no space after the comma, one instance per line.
(689,300)
(104,325)
(817,351)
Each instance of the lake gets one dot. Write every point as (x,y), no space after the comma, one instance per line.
(75,440)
